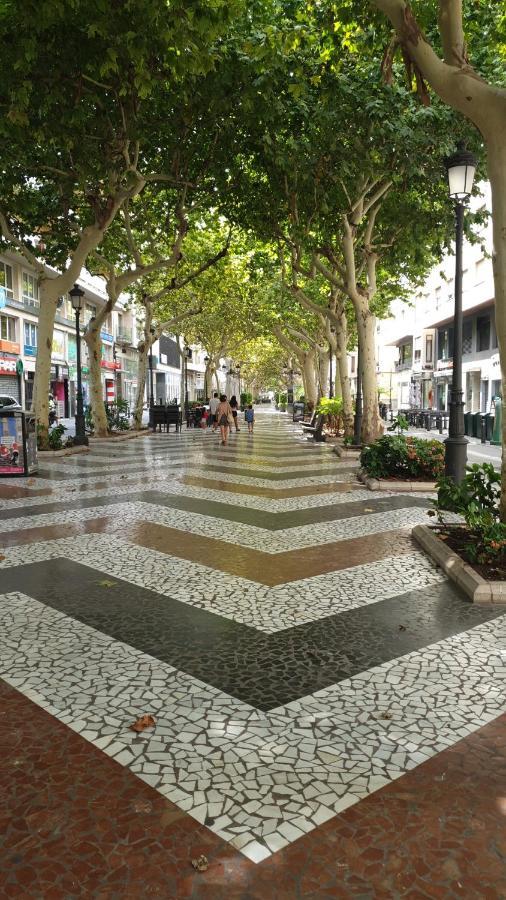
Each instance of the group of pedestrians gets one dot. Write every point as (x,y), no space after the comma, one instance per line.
(223,414)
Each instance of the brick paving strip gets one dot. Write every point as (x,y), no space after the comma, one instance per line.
(74,823)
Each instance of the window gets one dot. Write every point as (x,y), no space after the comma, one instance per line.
(405,354)
(467,336)
(7,329)
(30,290)
(445,343)
(6,279)
(30,334)
(91,312)
(483,333)
(428,350)
(352,365)
(438,297)
(418,355)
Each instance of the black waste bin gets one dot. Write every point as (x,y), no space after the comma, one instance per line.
(468,428)
(487,426)
(298,411)
(476,418)
(18,443)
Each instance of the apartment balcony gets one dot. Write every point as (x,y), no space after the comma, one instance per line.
(403,366)
(25,304)
(124,336)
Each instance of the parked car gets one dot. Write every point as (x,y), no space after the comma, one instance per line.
(7,402)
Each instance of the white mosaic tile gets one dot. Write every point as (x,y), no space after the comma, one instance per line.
(257,779)
(268,609)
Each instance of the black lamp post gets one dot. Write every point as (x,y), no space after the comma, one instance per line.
(238,373)
(461,168)
(150,363)
(76,296)
(187,355)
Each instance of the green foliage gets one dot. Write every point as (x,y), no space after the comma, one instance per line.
(56,437)
(246,398)
(476,498)
(398,456)
(117,415)
(332,409)
(399,424)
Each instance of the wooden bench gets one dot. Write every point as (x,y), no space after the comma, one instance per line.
(316,430)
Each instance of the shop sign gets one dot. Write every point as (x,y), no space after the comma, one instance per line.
(3,297)
(107,337)
(28,350)
(58,345)
(110,364)
(7,366)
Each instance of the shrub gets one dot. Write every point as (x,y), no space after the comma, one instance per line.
(476,498)
(398,456)
(332,408)
(56,437)
(399,424)
(246,398)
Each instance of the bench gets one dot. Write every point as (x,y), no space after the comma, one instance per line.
(162,417)
(316,430)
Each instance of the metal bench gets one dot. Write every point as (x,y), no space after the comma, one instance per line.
(316,430)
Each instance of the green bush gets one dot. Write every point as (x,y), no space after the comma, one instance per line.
(246,398)
(332,409)
(476,498)
(398,456)
(56,437)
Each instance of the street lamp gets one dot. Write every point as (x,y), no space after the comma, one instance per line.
(238,373)
(461,168)
(76,296)
(187,355)
(150,363)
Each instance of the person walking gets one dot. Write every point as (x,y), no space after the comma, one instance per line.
(224,418)
(234,406)
(213,406)
(249,417)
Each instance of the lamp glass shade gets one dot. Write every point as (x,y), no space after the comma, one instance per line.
(461,169)
(77,298)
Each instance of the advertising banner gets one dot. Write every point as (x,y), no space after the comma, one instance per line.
(11,445)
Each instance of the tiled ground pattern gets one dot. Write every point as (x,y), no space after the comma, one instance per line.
(329,709)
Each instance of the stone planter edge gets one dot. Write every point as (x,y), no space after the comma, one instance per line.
(402,487)
(346,452)
(118,438)
(477,588)
(66,451)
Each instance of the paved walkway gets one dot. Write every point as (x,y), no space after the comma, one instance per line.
(330,711)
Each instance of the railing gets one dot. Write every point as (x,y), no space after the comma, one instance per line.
(125,335)
(401,366)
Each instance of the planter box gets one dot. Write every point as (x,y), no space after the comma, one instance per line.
(403,487)
(65,451)
(122,436)
(346,452)
(477,588)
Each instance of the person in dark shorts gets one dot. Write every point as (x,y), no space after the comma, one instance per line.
(234,406)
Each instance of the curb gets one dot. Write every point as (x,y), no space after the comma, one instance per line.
(403,487)
(346,452)
(118,438)
(67,451)
(477,588)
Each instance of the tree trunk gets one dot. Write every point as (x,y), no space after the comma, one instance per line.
(371,422)
(94,344)
(142,370)
(342,366)
(48,294)
(323,372)
(309,378)
(497,176)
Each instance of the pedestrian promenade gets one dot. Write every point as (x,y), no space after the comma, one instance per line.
(329,710)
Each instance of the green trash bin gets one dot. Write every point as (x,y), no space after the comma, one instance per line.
(497,436)
(467,423)
(476,425)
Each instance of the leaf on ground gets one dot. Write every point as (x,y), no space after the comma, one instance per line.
(201,863)
(368,509)
(143,722)
(402,628)
(105,583)
(386,715)
(1,557)
(31,481)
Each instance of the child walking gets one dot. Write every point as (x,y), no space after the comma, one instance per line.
(249,416)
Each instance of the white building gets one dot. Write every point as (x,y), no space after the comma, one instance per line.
(421,332)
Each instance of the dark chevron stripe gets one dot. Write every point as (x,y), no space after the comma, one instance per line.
(265,671)
(273,521)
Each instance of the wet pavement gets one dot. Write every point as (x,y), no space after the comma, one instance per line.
(329,708)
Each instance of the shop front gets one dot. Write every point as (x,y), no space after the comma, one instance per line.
(10,370)
(59,378)
(110,367)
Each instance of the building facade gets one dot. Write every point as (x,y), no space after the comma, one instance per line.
(421,333)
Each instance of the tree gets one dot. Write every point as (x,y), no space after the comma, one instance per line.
(86,99)
(480,95)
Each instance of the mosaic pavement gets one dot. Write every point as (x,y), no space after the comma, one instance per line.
(329,708)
